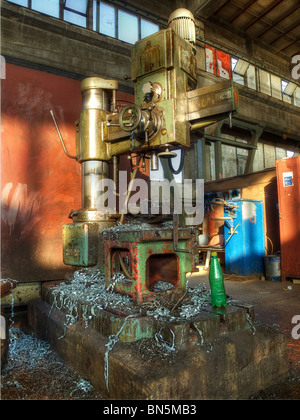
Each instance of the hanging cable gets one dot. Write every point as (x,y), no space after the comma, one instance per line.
(176,172)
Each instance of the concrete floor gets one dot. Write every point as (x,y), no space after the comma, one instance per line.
(276,304)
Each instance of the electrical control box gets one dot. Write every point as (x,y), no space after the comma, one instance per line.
(244,237)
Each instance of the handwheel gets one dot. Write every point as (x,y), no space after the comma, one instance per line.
(130,117)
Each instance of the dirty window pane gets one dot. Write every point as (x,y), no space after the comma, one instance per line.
(287,98)
(242,152)
(127,27)
(237,78)
(276,86)
(264,81)
(258,162)
(74,18)
(288,88)
(269,154)
(77,5)
(49,7)
(280,153)
(251,77)
(107,20)
(210,163)
(20,2)
(95,15)
(241,67)
(148,28)
(229,161)
(297,97)
(241,164)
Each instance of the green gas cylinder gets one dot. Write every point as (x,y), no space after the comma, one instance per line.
(216,281)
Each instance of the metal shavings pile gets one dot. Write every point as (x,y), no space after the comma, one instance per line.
(135,227)
(82,385)
(27,349)
(33,371)
(197,298)
(88,289)
(163,285)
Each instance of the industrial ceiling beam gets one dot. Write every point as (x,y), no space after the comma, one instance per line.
(285,33)
(243,10)
(290,45)
(266,12)
(222,6)
(280,20)
(207,8)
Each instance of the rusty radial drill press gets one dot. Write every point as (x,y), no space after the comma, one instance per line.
(167,108)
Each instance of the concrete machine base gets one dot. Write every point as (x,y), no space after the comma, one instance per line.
(218,354)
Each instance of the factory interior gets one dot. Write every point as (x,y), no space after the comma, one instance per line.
(150,207)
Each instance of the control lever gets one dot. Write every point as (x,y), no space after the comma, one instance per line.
(60,137)
(175,235)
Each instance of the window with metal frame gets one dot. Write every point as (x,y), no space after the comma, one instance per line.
(49,7)
(75,11)
(23,3)
(107,19)
(119,23)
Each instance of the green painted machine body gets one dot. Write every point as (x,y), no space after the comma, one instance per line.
(147,260)
(165,65)
(80,244)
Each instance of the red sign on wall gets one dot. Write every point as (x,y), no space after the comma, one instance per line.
(218,62)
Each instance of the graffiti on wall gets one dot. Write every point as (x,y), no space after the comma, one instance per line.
(18,207)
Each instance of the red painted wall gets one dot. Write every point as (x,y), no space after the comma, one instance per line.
(39,184)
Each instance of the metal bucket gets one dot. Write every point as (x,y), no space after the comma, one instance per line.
(272,267)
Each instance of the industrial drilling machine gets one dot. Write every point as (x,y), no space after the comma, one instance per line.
(167,108)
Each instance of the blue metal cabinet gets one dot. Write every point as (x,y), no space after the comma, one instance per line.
(244,237)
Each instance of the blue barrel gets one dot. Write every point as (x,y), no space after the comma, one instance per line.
(272,267)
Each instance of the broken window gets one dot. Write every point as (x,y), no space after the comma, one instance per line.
(239,69)
(288,90)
